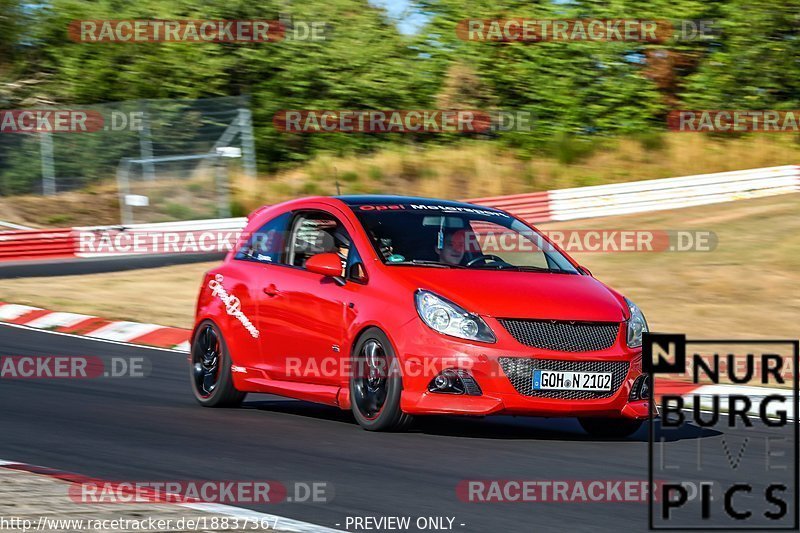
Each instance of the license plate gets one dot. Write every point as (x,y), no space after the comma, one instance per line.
(555,380)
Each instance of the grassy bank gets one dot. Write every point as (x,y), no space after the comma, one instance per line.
(480,169)
(469,170)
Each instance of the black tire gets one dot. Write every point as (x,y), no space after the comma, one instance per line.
(210,369)
(384,415)
(614,428)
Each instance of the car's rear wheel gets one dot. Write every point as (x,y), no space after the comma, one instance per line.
(210,371)
(610,427)
(376,384)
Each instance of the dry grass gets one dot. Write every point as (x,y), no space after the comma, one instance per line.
(470,170)
(170,199)
(747,287)
(97,205)
(479,169)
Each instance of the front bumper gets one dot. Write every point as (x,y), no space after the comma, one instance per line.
(424,353)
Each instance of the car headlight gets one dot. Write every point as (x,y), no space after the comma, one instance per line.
(449,319)
(637,325)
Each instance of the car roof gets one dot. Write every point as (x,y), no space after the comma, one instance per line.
(267,211)
(372,199)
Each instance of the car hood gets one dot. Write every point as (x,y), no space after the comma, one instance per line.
(521,294)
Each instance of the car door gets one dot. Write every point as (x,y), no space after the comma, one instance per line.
(260,264)
(309,310)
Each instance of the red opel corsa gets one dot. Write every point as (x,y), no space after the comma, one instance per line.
(394,307)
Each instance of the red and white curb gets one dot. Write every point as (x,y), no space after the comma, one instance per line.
(96,327)
(282,523)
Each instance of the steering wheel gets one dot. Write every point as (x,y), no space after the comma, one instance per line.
(485,259)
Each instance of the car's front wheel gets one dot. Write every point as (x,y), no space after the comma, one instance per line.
(376,384)
(615,428)
(210,371)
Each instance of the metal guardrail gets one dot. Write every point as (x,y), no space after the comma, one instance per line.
(649,195)
(533,207)
(147,236)
(11,225)
(37,244)
(671,193)
(222,224)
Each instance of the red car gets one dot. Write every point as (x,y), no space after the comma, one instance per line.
(395,306)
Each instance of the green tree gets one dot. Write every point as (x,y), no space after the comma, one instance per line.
(11,14)
(364,63)
(575,88)
(756,63)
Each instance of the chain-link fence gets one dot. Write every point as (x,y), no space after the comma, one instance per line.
(173,158)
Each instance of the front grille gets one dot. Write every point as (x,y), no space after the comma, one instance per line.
(563,336)
(519,371)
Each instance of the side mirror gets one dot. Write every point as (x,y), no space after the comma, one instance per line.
(327,264)
(585,271)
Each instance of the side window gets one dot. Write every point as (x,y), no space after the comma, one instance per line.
(316,232)
(268,244)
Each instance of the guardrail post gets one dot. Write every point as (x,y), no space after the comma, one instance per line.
(123,185)
(248,145)
(48,173)
(221,177)
(146,147)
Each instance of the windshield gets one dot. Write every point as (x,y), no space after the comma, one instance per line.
(457,237)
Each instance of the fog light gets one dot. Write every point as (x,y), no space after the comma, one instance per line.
(644,390)
(455,381)
(640,389)
(441,382)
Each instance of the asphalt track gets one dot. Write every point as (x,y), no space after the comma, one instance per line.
(96,265)
(152,429)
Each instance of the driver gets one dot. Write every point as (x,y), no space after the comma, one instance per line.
(452,247)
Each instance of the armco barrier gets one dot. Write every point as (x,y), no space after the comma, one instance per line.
(534,207)
(5,226)
(672,193)
(37,244)
(179,231)
(563,204)
(649,195)
(65,243)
